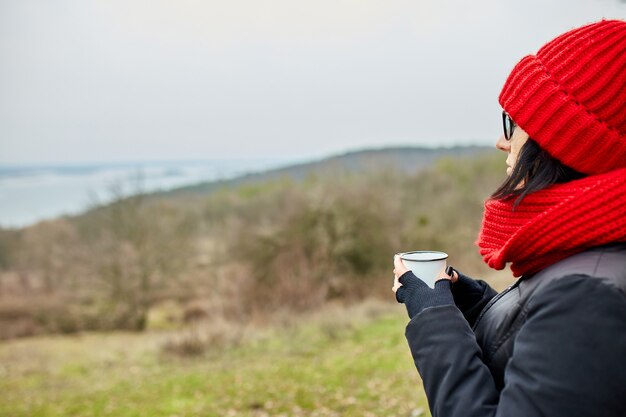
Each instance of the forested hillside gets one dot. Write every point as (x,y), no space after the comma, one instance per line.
(246,250)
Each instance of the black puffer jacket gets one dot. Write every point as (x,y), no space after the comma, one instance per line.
(553,344)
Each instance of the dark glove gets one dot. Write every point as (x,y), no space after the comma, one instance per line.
(418,296)
(471,296)
(466,289)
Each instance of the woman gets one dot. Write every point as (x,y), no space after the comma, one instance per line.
(554,343)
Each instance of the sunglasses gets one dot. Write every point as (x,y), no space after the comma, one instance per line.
(508,124)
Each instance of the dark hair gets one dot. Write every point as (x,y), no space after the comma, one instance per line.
(534,170)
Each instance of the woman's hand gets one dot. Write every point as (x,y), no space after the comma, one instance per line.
(415,294)
(398,270)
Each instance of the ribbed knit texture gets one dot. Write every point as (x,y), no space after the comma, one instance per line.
(571,97)
(554,223)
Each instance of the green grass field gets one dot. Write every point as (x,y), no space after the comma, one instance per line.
(341,362)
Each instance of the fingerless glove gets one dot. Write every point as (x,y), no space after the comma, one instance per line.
(418,296)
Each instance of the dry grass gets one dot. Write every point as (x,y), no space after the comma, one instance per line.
(337,362)
(201,337)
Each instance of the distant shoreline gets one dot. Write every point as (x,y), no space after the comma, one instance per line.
(32,193)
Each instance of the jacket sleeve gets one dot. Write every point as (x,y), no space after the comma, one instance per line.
(568,358)
(471,296)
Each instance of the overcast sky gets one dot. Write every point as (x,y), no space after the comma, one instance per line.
(86,80)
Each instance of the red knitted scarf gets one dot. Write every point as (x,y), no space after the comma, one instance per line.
(554,223)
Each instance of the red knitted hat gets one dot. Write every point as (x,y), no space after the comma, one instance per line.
(571,97)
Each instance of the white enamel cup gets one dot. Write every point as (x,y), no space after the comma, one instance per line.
(426,265)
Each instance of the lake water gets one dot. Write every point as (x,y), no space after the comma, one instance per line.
(32,193)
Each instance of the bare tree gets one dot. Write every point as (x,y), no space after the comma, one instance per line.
(139,247)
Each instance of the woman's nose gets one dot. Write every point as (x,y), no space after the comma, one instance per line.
(503,144)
